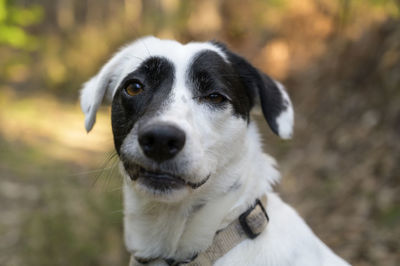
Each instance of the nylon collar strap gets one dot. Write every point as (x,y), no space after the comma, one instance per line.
(249,225)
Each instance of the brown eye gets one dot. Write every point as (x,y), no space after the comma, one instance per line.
(215,98)
(134,88)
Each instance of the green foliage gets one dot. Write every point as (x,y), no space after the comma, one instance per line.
(13,20)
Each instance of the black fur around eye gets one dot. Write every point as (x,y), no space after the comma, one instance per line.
(134,88)
(215,98)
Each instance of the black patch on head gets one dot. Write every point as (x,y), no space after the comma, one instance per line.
(157,76)
(258,84)
(209,73)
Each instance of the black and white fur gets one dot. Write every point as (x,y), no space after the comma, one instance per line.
(200,96)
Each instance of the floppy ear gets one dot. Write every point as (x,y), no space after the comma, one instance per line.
(276,106)
(275,102)
(97,88)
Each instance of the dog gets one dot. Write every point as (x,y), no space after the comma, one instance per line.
(197,186)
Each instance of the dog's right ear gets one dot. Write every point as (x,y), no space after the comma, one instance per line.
(99,87)
(264,91)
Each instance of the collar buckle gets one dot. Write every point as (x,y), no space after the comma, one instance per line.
(254,220)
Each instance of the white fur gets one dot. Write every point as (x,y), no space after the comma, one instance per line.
(220,145)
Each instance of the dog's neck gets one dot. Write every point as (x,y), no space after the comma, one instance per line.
(179,231)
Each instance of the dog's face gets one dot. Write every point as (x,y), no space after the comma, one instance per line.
(180,112)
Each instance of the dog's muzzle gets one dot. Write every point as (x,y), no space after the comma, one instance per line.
(160,143)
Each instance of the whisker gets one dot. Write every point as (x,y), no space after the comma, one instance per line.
(89,172)
(108,159)
(145,46)
(117,211)
(107,177)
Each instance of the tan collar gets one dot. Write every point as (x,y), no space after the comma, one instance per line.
(248,225)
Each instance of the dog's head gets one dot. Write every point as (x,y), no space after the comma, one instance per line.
(180,113)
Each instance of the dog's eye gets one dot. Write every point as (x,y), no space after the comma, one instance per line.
(215,98)
(134,88)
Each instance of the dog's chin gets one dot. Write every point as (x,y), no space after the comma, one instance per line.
(161,185)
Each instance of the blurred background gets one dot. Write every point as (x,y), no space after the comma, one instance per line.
(60,192)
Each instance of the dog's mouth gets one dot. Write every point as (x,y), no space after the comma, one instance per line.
(159,180)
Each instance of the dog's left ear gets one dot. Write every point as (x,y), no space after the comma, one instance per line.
(276,106)
(272,96)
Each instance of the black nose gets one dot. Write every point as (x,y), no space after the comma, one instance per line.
(161,142)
